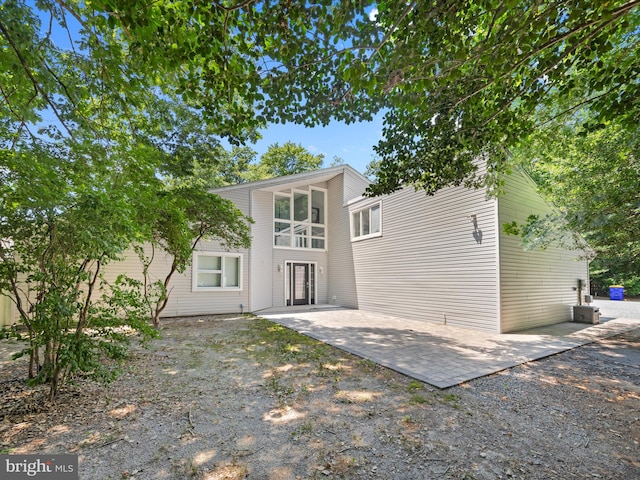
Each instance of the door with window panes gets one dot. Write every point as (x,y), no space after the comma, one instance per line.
(300,283)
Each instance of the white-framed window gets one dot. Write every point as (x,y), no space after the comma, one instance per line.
(299,219)
(367,222)
(217,271)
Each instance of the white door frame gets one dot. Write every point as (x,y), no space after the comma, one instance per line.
(312,289)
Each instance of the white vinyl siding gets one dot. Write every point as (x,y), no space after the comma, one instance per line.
(6,311)
(341,273)
(432,263)
(538,287)
(183,300)
(240,197)
(354,185)
(263,269)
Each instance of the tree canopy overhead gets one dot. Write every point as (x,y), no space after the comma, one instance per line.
(470,77)
(456,78)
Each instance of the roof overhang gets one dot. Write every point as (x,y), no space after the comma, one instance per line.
(293,181)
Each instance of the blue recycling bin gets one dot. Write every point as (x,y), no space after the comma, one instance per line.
(616,292)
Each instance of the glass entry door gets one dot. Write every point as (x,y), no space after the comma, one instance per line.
(300,283)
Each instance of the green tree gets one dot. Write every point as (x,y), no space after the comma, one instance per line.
(85,147)
(246,62)
(593,178)
(337,161)
(61,223)
(183,218)
(219,168)
(372,167)
(467,78)
(457,79)
(71,207)
(286,159)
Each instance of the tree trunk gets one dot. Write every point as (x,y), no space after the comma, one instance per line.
(53,386)
(163,303)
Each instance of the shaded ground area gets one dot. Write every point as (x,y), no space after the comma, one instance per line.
(440,355)
(232,398)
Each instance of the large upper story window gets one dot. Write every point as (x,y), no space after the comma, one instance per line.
(217,271)
(299,219)
(366,222)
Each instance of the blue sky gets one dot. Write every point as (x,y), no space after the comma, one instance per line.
(353,143)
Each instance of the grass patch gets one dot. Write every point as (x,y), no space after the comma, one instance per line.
(280,389)
(368,365)
(418,399)
(270,341)
(305,429)
(414,385)
(451,399)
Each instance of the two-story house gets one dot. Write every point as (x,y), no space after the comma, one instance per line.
(444,258)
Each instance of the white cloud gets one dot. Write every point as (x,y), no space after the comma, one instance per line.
(373,14)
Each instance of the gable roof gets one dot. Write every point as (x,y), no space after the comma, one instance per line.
(298,179)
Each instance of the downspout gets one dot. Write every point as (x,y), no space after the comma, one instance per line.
(250,260)
(498,264)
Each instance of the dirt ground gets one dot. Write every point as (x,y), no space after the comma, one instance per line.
(239,397)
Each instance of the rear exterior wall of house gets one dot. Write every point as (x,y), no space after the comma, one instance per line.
(341,272)
(435,258)
(440,258)
(538,287)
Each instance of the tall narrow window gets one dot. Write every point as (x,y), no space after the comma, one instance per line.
(282,225)
(355,220)
(231,275)
(374,219)
(282,207)
(317,206)
(301,207)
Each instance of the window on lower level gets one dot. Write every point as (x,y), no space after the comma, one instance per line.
(217,271)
